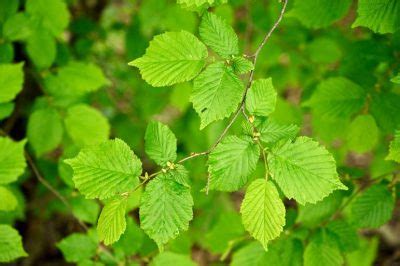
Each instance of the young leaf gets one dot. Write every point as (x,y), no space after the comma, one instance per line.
(231,163)
(10,244)
(12,160)
(104,170)
(304,170)
(8,201)
(337,98)
(171,58)
(272,132)
(77,247)
(241,65)
(11,80)
(165,209)
(373,207)
(160,143)
(319,13)
(363,133)
(394,148)
(45,130)
(219,35)
(323,250)
(261,97)
(217,91)
(263,212)
(379,16)
(41,48)
(200,5)
(179,174)
(86,125)
(169,258)
(112,222)
(396,79)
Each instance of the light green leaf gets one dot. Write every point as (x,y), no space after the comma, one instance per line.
(319,13)
(200,5)
(218,35)
(160,143)
(85,209)
(112,222)
(381,16)
(17,27)
(216,94)
(41,48)
(261,97)
(132,239)
(77,247)
(179,174)
(10,244)
(12,160)
(52,14)
(363,133)
(263,212)
(45,130)
(337,98)
(323,250)
(232,162)
(11,80)
(304,170)
(171,58)
(365,255)
(165,209)
(396,79)
(272,132)
(373,208)
(394,148)
(169,258)
(8,201)
(6,109)
(86,125)
(7,9)
(242,65)
(104,170)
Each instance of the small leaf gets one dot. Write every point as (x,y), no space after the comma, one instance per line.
(272,132)
(216,94)
(263,212)
(8,201)
(171,58)
(41,48)
(104,170)
(11,80)
(160,143)
(165,209)
(12,160)
(363,133)
(242,65)
(169,258)
(112,222)
(10,244)
(261,98)
(396,79)
(394,148)
(77,247)
(347,235)
(218,35)
(232,162)
(304,170)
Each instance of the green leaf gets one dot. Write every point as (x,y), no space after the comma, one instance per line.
(347,236)
(45,130)
(363,133)
(53,15)
(165,209)
(323,250)
(304,170)
(263,212)
(373,208)
(319,13)
(10,244)
(132,239)
(218,35)
(379,16)
(272,132)
(77,247)
(179,174)
(86,125)
(169,258)
(41,48)
(18,27)
(8,201)
(365,255)
(112,223)
(385,109)
(200,5)
(261,97)
(7,9)
(337,98)
(232,162)
(396,79)
(242,65)
(12,160)
(6,109)
(104,170)
(160,143)
(216,94)
(85,210)
(171,58)
(394,148)
(11,80)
